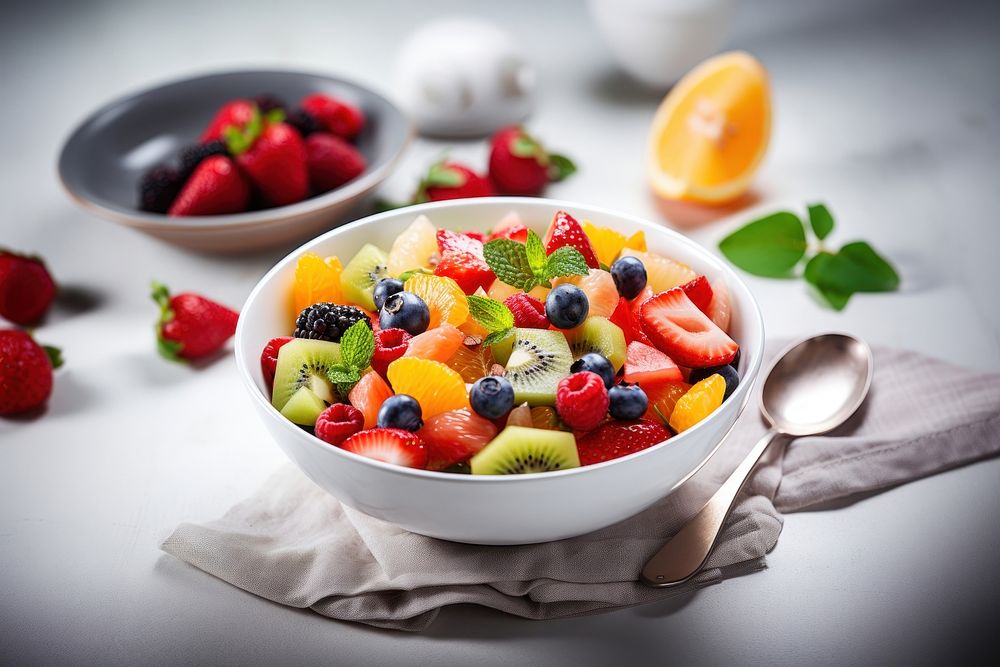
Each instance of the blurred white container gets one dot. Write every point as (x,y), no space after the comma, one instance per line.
(658,41)
(461,77)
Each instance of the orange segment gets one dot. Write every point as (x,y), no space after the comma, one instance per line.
(663,399)
(662,273)
(699,402)
(443,296)
(316,281)
(439,343)
(435,386)
(471,363)
(607,242)
(711,131)
(368,395)
(637,241)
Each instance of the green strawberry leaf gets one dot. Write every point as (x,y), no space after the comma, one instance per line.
(560,167)
(566,261)
(54,354)
(496,336)
(240,140)
(533,248)
(441,176)
(769,247)
(820,220)
(525,145)
(357,345)
(509,261)
(491,314)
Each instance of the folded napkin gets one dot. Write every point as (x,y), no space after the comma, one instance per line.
(294,544)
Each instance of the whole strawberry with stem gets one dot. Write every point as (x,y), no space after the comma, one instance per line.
(25,372)
(26,288)
(520,165)
(191,326)
(451,180)
(272,155)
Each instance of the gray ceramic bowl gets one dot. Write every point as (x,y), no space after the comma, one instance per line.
(102,161)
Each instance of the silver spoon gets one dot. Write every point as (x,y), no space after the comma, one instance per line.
(812,387)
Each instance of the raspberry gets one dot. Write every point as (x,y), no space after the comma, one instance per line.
(582,400)
(390,344)
(339,422)
(328,321)
(528,311)
(269,358)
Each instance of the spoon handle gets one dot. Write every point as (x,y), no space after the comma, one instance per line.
(683,555)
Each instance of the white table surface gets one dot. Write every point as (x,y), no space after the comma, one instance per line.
(888,113)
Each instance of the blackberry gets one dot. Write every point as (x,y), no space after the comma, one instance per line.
(158,188)
(328,321)
(304,122)
(268,102)
(191,156)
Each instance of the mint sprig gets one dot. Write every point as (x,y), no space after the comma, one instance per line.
(492,315)
(357,345)
(775,245)
(525,265)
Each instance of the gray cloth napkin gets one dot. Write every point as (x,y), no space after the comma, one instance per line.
(294,544)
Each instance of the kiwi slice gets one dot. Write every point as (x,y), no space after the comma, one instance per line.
(600,335)
(358,278)
(303,407)
(538,359)
(304,363)
(501,349)
(519,449)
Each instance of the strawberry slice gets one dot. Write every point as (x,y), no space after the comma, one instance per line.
(389,445)
(615,439)
(647,366)
(700,293)
(565,230)
(215,188)
(462,261)
(449,241)
(515,232)
(625,315)
(684,333)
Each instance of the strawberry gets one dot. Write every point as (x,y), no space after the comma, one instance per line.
(647,366)
(684,333)
(519,165)
(528,311)
(191,326)
(700,293)
(462,261)
(269,358)
(479,236)
(338,422)
(627,319)
(510,227)
(26,288)
(235,112)
(275,162)
(615,439)
(450,180)
(390,445)
(390,344)
(582,400)
(565,230)
(215,188)
(336,116)
(25,372)
(331,161)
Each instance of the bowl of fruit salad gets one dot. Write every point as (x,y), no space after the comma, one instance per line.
(500,370)
(235,161)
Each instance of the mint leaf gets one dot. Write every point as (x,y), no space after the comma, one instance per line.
(560,167)
(357,345)
(341,374)
(535,251)
(769,247)
(496,336)
(493,315)
(820,220)
(566,261)
(509,261)
(854,268)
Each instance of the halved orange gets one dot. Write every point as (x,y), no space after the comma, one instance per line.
(711,130)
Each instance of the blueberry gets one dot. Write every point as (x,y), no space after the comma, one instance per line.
(727,372)
(627,401)
(595,363)
(492,397)
(406,311)
(566,306)
(400,411)
(384,289)
(629,275)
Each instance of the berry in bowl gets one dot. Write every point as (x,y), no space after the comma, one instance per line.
(500,371)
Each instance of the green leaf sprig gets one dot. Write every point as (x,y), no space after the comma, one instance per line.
(357,345)
(492,315)
(525,265)
(773,246)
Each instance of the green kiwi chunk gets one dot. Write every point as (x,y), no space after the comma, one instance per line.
(502,348)
(303,407)
(598,334)
(304,363)
(359,277)
(539,358)
(519,449)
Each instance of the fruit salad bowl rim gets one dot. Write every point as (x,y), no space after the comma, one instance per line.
(741,395)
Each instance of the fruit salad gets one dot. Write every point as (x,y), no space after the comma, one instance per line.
(259,153)
(502,353)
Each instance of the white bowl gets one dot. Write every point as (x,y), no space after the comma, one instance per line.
(516,509)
